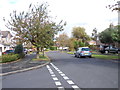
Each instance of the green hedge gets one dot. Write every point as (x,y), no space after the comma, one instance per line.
(53,48)
(9,58)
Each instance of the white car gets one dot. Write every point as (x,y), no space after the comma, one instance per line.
(83,52)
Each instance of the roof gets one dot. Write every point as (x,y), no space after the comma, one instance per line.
(5,33)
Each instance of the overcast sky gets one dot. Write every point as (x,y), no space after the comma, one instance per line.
(89,14)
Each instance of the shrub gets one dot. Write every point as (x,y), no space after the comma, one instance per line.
(9,58)
(53,48)
(19,49)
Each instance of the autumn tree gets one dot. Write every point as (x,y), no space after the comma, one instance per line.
(80,34)
(71,43)
(35,26)
(63,40)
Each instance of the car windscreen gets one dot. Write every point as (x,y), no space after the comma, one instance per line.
(85,49)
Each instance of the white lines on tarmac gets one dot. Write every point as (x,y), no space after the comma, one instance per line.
(70,82)
(57,82)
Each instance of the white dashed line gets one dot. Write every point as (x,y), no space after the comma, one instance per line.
(57,83)
(75,86)
(62,74)
(58,70)
(53,75)
(55,78)
(65,77)
(70,81)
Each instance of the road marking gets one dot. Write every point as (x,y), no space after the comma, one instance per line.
(58,70)
(58,83)
(53,75)
(70,82)
(75,86)
(62,74)
(65,77)
(55,78)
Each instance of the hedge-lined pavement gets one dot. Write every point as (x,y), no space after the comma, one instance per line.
(21,64)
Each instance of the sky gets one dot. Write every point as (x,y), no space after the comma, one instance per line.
(89,14)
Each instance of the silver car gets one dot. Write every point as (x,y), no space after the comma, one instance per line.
(83,52)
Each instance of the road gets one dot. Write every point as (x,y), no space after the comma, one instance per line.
(66,71)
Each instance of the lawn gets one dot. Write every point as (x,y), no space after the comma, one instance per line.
(41,58)
(105,56)
(70,52)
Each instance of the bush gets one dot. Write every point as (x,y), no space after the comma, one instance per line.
(19,49)
(53,48)
(9,58)
(21,55)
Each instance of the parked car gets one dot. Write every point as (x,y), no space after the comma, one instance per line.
(25,51)
(109,49)
(83,52)
(8,52)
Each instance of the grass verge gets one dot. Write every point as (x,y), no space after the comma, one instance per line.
(70,52)
(41,58)
(104,56)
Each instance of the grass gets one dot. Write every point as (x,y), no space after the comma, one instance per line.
(41,58)
(0,59)
(70,52)
(105,56)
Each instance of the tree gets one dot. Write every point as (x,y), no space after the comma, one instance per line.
(110,35)
(71,44)
(116,34)
(63,40)
(35,26)
(79,33)
(114,7)
(94,34)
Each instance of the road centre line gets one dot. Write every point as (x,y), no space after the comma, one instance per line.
(70,82)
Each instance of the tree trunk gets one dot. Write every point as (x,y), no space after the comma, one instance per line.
(37,52)
(43,52)
(42,49)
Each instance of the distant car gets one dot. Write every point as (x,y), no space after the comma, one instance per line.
(25,51)
(83,52)
(109,49)
(8,52)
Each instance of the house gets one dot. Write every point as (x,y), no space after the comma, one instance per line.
(5,40)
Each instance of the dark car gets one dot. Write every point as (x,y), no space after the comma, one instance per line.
(108,49)
(8,51)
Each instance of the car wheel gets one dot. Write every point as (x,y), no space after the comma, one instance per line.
(106,52)
(75,56)
(90,56)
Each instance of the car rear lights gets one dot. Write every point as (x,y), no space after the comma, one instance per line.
(90,51)
(82,52)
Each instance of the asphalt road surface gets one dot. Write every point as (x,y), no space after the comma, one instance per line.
(66,71)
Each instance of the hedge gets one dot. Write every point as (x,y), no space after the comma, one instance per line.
(9,58)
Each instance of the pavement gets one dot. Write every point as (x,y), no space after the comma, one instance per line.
(21,65)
